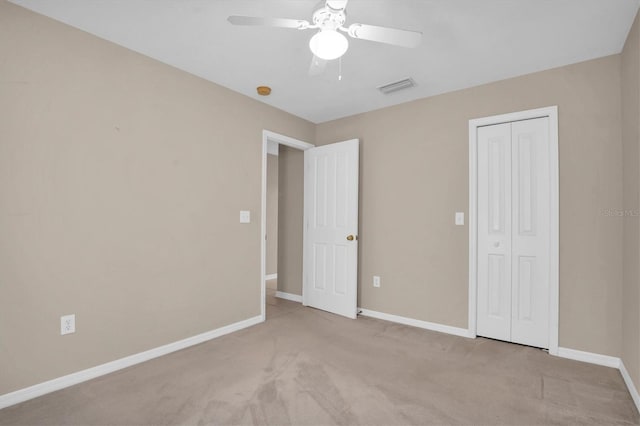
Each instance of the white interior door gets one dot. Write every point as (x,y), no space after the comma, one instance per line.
(331,228)
(494,231)
(514,232)
(530,232)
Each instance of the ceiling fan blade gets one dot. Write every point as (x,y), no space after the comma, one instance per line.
(317,66)
(269,22)
(393,36)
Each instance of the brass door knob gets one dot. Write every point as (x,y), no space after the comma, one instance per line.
(351,238)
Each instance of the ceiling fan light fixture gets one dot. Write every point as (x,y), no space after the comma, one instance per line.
(328,44)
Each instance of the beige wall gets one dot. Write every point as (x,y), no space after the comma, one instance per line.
(121,180)
(631,155)
(290,215)
(414,176)
(272,215)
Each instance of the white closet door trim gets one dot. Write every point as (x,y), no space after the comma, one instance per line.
(554,290)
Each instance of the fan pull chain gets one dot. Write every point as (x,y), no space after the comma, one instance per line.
(340,69)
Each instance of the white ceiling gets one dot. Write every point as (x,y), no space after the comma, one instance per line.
(465,43)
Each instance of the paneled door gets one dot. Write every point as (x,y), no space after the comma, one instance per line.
(514,232)
(494,231)
(331,228)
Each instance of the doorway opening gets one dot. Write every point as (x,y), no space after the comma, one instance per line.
(269,238)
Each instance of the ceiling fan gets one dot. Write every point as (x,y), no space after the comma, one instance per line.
(329,43)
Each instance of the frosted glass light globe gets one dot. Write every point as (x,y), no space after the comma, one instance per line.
(328,44)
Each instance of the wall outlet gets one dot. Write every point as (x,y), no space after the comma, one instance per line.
(245,216)
(376,281)
(67,324)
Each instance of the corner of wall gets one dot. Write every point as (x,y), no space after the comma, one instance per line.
(630,303)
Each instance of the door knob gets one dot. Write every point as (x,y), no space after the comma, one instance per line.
(496,244)
(351,238)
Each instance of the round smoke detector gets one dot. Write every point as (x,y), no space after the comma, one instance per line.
(264,90)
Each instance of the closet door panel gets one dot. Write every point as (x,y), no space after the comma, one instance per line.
(494,232)
(530,232)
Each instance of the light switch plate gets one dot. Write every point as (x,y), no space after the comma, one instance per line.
(459,218)
(245,216)
(376,281)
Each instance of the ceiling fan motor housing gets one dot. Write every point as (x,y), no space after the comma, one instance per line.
(329,19)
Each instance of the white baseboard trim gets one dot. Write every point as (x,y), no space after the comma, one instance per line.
(289,296)
(34,391)
(590,357)
(607,361)
(630,385)
(40,389)
(463,332)
(271,277)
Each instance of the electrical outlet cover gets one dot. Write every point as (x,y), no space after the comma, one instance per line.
(67,324)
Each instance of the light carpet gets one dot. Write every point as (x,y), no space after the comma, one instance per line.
(308,367)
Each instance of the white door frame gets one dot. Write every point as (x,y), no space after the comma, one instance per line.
(554,288)
(268,136)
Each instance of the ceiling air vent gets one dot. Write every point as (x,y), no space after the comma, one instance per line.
(397,85)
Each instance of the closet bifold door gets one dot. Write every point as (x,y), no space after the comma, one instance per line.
(514,232)
(530,232)
(494,232)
